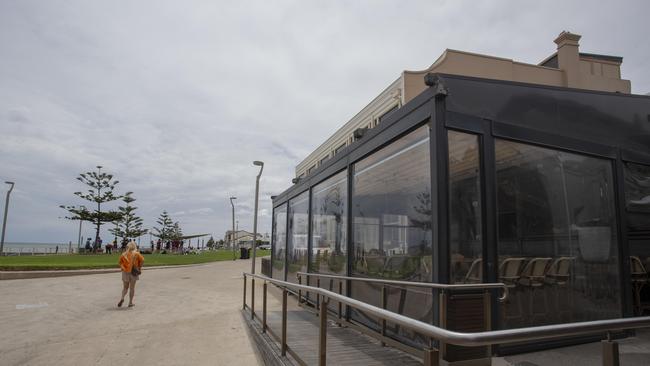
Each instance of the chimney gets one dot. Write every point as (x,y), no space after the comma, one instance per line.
(568,57)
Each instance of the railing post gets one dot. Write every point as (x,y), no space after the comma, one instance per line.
(443,321)
(283,345)
(384,303)
(340,303)
(431,357)
(610,351)
(264,308)
(322,337)
(487,311)
(299,291)
(253,298)
(244,306)
(317,295)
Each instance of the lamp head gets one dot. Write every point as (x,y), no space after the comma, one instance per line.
(258,163)
(12,183)
(233,198)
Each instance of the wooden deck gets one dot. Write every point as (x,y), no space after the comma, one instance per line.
(345,346)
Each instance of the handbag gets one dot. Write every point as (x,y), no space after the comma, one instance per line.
(134,270)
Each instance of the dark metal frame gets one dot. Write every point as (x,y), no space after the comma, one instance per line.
(493,109)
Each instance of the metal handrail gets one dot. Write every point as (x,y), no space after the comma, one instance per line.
(459,338)
(441,286)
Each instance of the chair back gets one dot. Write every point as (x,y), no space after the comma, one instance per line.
(536,268)
(475,272)
(561,267)
(510,268)
(636,267)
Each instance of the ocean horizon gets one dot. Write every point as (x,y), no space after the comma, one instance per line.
(37,247)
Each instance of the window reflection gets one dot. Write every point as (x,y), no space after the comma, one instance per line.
(465,245)
(279,241)
(297,238)
(329,225)
(637,197)
(391,207)
(556,235)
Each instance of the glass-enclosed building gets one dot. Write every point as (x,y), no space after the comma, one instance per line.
(545,189)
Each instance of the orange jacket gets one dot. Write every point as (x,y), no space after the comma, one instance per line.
(127,260)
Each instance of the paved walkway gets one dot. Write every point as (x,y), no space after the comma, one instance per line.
(183,316)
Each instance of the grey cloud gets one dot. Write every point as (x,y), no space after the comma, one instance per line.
(177,99)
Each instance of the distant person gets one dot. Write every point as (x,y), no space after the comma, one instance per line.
(129,260)
(88,247)
(109,248)
(56,251)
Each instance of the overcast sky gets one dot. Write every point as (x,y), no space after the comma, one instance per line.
(177,98)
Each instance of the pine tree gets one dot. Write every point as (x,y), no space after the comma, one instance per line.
(164,232)
(130,225)
(102,186)
(210,243)
(177,232)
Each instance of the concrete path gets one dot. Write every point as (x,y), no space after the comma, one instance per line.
(183,316)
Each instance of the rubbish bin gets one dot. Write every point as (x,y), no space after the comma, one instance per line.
(244,253)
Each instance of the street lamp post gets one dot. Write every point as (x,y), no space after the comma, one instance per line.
(257,190)
(232,235)
(4,220)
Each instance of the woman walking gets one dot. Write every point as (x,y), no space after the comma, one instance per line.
(131,264)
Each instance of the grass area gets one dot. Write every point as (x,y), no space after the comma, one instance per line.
(76,261)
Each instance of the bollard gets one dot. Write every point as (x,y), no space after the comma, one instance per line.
(264,309)
(322,336)
(284,322)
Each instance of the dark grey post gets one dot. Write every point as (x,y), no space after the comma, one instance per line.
(4,220)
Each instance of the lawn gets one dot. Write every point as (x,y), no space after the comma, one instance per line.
(76,261)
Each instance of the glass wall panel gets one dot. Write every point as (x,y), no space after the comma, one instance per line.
(298,236)
(329,225)
(465,244)
(557,236)
(279,241)
(637,203)
(391,207)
